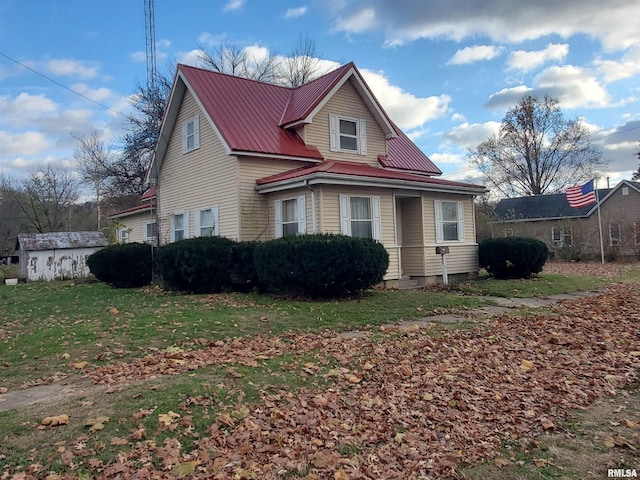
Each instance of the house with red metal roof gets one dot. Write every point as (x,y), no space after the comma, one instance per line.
(255,161)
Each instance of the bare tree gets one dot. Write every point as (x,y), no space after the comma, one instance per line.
(537,151)
(302,65)
(46,198)
(10,216)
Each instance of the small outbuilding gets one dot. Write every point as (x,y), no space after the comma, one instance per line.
(57,255)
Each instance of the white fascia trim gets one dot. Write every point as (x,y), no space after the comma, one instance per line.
(336,179)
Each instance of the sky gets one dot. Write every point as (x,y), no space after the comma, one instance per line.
(445,71)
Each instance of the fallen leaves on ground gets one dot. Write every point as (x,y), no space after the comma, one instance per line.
(421,406)
(55,420)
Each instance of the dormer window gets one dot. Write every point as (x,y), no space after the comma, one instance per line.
(348,134)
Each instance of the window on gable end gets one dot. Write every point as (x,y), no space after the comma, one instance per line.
(348,134)
(191,134)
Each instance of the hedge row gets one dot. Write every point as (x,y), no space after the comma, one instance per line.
(310,265)
(512,257)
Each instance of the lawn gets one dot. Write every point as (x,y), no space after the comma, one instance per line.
(248,386)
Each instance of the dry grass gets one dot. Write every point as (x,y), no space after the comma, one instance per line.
(592,269)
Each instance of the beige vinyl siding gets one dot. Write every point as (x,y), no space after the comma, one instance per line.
(330,211)
(463,256)
(348,103)
(254,215)
(136,225)
(198,179)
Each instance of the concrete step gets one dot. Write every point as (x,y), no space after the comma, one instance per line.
(408,284)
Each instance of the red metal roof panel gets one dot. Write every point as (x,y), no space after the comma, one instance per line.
(358,170)
(247,113)
(403,154)
(305,98)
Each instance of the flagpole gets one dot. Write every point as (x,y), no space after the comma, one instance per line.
(595,180)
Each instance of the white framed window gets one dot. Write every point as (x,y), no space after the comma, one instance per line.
(291,216)
(347,134)
(206,222)
(191,134)
(179,226)
(360,217)
(614,234)
(123,234)
(508,232)
(150,231)
(561,236)
(449,221)
(637,232)
(625,191)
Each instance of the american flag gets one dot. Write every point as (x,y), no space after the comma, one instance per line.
(581,196)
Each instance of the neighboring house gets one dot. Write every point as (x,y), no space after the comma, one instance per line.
(254,161)
(137,224)
(573,233)
(57,256)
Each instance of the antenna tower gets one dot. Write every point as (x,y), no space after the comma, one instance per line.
(150,39)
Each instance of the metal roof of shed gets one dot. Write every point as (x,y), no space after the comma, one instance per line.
(60,240)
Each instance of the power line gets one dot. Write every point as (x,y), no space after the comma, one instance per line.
(62,85)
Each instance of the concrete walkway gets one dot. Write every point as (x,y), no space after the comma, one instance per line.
(497,306)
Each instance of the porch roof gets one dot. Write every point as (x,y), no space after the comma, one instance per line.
(340,172)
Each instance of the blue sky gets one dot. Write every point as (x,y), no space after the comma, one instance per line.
(446,72)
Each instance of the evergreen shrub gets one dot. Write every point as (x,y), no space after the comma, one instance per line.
(196,265)
(244,277)
(126,265)
(320,265)
(512,257)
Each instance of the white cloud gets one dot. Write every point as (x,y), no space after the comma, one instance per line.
(574,86)
(189,58)
(627,67)
(232,5)
(458,117)
(530,60)
(470,135)
(22,144)
(447,158)
(295,12)
(404,108)
(256,53)
(25,108)
(72,68)
(96,94)
(209,39)
(138,57)
(358,22)
(473,54)
(404,21)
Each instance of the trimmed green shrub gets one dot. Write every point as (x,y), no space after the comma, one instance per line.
(512,257)
(321,265)
(126,265)
(196,265)
(244,277)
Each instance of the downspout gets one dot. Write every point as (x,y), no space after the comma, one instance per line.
(313,206)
